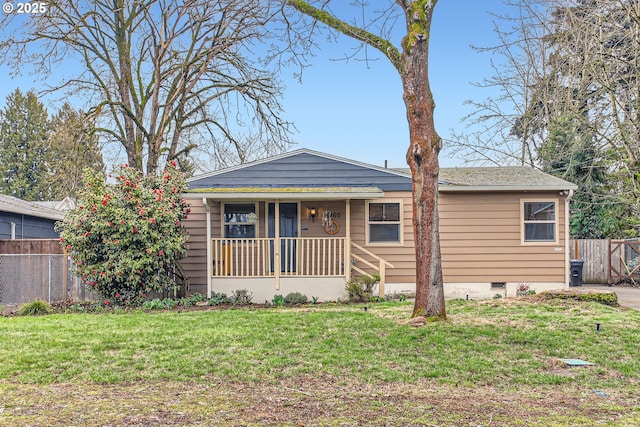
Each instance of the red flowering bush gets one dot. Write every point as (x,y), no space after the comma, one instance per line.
(126,237)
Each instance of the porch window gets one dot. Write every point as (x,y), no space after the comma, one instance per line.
(539,221)
(240,220)
(384,222)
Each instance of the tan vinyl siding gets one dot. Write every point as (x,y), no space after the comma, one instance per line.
(480,235)
(314,228)
(402,257)
(481,240)
(195,264)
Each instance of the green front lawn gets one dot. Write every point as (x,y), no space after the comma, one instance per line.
(492,361)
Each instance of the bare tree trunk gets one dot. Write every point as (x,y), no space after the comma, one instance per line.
(425,144)
(422,157)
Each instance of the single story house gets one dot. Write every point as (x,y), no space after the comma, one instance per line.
(20,219)
(307,222)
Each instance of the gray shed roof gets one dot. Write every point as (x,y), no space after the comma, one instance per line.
(22,207)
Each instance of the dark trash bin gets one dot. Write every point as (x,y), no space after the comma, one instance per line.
(576,272)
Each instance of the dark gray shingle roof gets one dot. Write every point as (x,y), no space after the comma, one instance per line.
(303,169)
(309,169)
(500,178)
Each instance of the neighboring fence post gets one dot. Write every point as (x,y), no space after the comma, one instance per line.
(50,273)
(609,278)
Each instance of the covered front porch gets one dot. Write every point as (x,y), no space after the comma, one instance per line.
(309,249)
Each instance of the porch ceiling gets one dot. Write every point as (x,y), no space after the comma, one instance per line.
(286,193)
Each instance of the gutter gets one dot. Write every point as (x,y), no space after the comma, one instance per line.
(445,188)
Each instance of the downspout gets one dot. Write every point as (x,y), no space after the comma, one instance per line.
(567,236)
(207,208)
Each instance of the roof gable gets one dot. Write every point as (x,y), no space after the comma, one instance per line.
(303,169)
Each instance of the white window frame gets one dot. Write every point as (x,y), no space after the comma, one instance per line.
(400,222)
(555,221)
(256,207)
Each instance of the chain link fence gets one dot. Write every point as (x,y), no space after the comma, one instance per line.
(25,278)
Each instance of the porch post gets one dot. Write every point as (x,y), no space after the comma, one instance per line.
(347,241)
(383,273)
(207,208)
(277,265)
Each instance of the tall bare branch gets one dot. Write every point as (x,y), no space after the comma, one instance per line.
(151,71)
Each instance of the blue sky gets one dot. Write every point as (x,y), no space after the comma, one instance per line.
(355,110)
(352,111)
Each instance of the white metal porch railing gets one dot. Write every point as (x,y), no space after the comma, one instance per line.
(290,256)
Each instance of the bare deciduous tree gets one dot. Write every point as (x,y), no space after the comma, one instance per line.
(501,130)
(564,61)
(410,59)
(159,76)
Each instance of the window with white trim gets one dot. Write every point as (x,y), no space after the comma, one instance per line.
(384,223)
(240,220)
(539,221)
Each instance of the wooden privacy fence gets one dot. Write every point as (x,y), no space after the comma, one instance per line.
(625,257)
(594,253)
(30,246)
(607,260)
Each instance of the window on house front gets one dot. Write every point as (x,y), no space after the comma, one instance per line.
(384,225)
(240,220)
(539,221)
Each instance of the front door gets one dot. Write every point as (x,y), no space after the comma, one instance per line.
(288,228)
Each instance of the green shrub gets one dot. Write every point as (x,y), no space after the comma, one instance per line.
(295,298)
(361,289)
(241,297)
(155,304)
(197,297)
(35,308)
(126,237)
(278,300)
(169,303)
(218,298)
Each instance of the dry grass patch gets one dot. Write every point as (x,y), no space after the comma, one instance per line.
(308,401)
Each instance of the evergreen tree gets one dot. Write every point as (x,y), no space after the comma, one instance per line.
(572,155)
(72,147)
(24,128)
